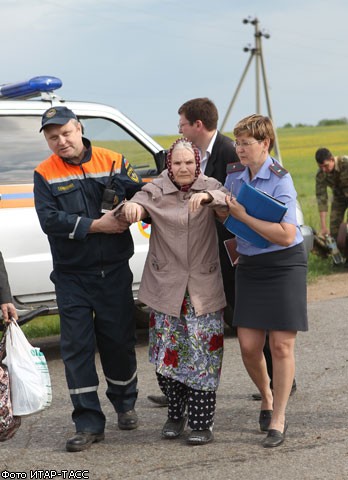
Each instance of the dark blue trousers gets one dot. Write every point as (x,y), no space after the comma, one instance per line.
(97,312)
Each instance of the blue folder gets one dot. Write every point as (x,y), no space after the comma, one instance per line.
(260,205)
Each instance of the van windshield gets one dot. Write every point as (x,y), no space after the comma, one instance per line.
(22,147)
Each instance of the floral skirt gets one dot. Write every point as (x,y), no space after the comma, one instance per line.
(188,349)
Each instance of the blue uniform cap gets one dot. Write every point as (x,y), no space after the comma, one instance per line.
(57,116)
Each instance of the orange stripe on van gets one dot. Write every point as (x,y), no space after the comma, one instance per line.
(16,196)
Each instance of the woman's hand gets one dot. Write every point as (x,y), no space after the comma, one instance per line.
(133,212)
(236,209)
(198,199)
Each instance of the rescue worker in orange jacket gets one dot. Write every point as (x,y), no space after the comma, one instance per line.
(93,281)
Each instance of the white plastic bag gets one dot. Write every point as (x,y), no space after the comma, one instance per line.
(30,381)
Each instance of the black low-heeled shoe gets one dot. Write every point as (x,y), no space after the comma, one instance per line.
(174,428)
(275,437)
(200,437)
(265,420)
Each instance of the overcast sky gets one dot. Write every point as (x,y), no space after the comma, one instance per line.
(146,57)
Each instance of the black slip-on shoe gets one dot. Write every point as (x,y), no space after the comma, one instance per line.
(174,428)
(275,437)
(200,437)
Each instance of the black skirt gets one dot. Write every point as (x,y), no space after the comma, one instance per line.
(271,290)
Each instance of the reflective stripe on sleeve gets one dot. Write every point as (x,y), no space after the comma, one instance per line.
(72,234)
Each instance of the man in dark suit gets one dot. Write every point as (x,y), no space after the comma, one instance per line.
(198,120)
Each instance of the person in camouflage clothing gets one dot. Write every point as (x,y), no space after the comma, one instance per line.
(332,173)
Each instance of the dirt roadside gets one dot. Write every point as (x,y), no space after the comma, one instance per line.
(330,286)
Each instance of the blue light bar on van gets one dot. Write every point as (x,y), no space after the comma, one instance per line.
(30,88)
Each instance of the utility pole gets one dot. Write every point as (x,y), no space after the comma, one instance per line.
(255,52)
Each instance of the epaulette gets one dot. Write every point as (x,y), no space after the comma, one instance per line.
(234,167)
(277,169)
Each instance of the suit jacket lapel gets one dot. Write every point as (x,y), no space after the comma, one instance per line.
(213,157)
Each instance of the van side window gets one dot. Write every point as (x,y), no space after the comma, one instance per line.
(107,134)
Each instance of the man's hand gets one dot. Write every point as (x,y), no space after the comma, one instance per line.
(198,199)
(8,312)
(110,223)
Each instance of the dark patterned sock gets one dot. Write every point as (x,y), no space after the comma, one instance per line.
(177,398)
(201,409)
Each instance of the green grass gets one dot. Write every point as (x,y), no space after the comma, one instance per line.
(42,327)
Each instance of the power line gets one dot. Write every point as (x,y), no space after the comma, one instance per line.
(255,53)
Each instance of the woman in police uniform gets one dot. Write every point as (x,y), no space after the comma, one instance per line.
(270,281)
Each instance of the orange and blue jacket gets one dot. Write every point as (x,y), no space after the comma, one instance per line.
(68,198)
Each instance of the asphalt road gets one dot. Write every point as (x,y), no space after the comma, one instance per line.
(316,447)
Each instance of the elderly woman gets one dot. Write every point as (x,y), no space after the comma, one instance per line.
(270,281)
(183,286)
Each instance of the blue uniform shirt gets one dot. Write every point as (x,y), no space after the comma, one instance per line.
(280,187)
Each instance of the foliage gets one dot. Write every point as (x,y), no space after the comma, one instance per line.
(338,121)
(322,123)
